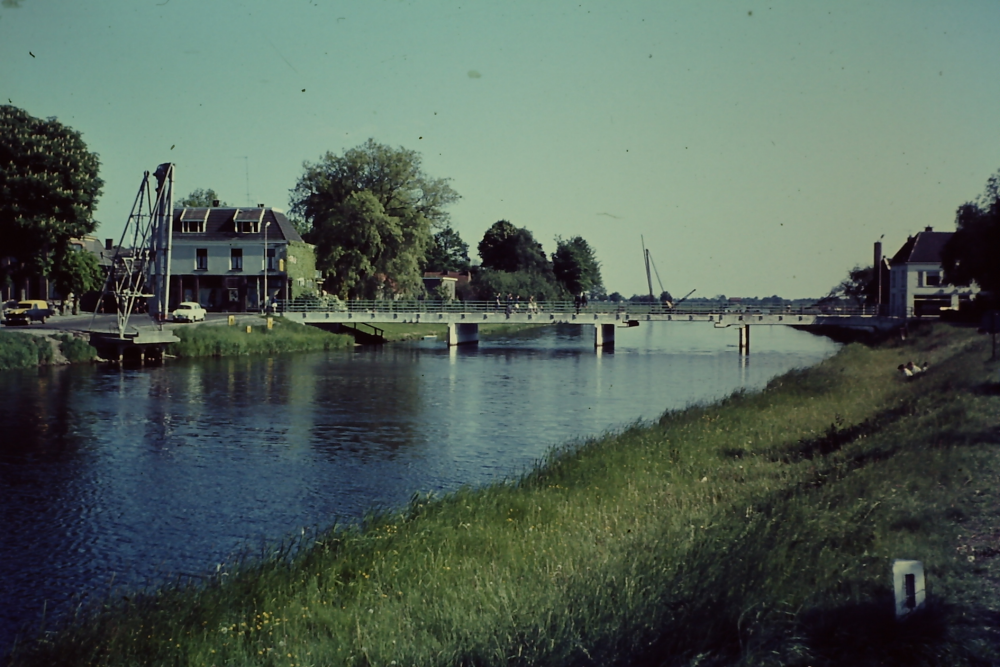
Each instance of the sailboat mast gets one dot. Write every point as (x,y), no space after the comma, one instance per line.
(649,279)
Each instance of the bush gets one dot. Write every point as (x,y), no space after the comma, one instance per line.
(76,350)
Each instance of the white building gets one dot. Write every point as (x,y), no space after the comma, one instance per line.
(225,257)
(916,287)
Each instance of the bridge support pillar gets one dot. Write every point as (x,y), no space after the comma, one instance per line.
(745,339)
(462,333)
(604,335)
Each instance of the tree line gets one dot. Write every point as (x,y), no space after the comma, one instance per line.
(376,219)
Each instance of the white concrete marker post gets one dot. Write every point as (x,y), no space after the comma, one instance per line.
(909,585)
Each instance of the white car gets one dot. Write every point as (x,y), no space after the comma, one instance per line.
(189,311)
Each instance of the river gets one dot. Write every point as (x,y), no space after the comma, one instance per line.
(116,479)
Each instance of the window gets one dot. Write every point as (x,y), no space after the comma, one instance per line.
(270,259)
(193,221)
(201,259)
(248,221)
(236,259)
(932,279)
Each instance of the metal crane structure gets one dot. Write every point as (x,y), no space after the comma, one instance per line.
(139,276)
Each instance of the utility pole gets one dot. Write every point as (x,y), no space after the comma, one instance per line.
(266,264)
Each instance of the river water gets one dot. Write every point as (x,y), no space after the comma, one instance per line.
(115,478)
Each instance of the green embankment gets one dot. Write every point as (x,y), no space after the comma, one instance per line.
(21,350)
(224,341)
(756,531)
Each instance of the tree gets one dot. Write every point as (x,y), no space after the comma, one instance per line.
(370,213)
(447,252)
(576,266)
(508,248)
(487,283)
(971,254)
(48,190)
(200,198)
(77,271)
(859,287)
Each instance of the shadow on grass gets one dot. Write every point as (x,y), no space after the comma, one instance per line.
(868,634)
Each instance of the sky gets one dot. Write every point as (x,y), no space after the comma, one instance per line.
(757,148)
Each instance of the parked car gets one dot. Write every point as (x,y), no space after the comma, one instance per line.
(27,311)
(189,311)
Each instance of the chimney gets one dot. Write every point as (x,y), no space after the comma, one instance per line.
(928,228)
(215,203)
(260,206)
(877,275)
(109,244)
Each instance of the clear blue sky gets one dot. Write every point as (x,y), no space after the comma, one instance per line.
(759,148)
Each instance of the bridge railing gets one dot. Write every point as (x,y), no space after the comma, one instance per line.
(414,306)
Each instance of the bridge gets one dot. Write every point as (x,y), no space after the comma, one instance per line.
(464,317)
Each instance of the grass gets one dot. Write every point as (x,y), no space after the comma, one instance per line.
(223,341)
(756,531)
(21,350)
(76,350)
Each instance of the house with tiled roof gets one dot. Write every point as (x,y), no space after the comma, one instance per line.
(916,287)
(231,259)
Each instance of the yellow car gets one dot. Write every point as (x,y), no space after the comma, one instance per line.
(27,311)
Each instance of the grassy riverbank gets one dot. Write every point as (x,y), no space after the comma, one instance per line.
(213,340)
(756,531)
(22,350)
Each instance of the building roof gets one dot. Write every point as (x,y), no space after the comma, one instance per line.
(460,276)
(222,223)
(925,247)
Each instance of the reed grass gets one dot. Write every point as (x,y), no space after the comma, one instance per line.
(755,531)
(224,341)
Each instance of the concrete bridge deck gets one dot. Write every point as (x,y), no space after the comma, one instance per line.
(464,317)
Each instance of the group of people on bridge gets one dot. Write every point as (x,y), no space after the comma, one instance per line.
(514,304)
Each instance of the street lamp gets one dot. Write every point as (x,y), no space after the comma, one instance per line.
(266,225)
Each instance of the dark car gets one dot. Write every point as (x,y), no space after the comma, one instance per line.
(27,311)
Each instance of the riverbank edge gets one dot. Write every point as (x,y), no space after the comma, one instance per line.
(24,349)
(756,530)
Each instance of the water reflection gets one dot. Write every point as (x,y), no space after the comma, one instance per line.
(137,475)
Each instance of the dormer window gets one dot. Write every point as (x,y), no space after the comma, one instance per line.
(193,220)
(248,221)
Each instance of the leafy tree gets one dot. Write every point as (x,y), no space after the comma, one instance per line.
(666,297)
(576,266)
(508,248)
(48,190)
(616,297)
(486,283)
(200,198)
(77,271)
(370,213)
(973,251)
(859,287)
(447,252)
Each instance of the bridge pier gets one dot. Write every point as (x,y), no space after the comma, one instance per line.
(462,333)
(745,339)
(604,335)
